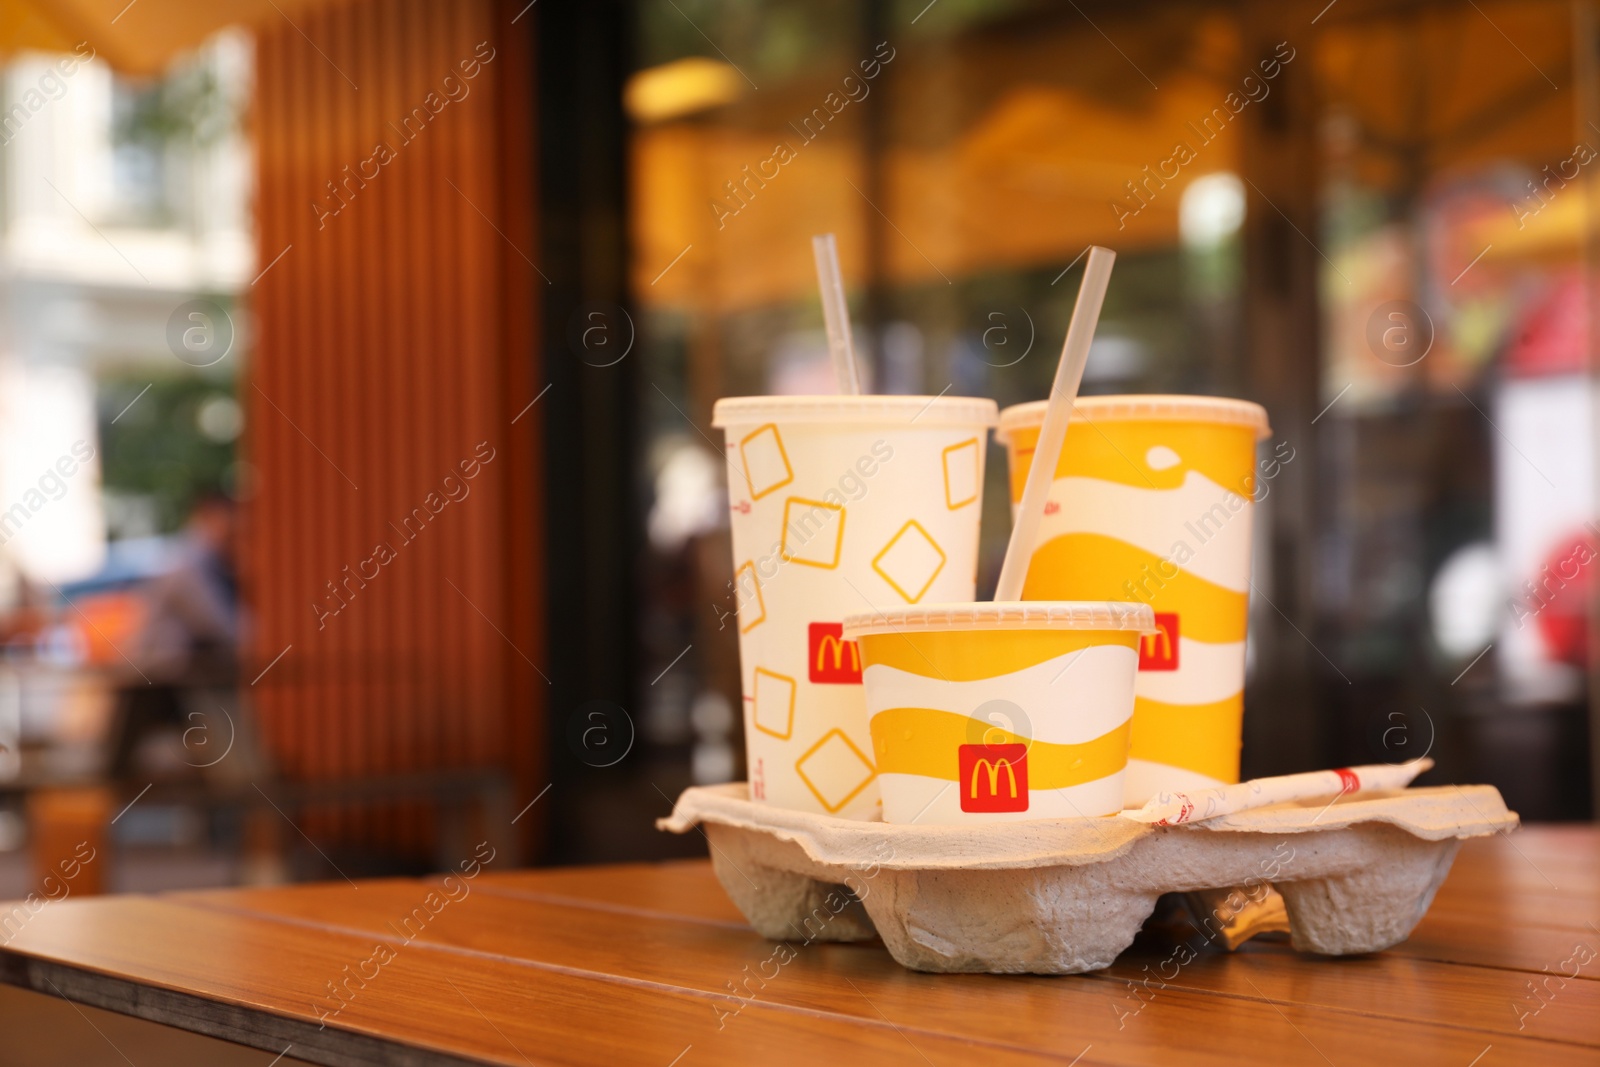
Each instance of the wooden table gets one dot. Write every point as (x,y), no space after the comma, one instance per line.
(634,965)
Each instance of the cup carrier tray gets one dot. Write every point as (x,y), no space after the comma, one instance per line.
(1064,896)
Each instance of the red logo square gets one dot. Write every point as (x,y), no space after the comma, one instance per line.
(834,661)
(993,777)
(1159,651)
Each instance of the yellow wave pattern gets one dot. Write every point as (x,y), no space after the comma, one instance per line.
(1201,737)
(1196,737)
(1084,566)
(1114,450)
(925,741)
(968,656)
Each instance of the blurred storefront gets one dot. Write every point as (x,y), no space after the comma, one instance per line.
(1375,218)
(126,214)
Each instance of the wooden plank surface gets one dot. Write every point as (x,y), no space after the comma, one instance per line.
(640,964)
(46,1030)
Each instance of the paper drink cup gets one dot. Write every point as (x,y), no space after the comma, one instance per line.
(999,712)
(839,504)
(1153,502)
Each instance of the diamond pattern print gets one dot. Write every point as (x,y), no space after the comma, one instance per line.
(766,464)
(835,770)
(910,561)
(747,596)
(961,474)
(813,532)
(773,706)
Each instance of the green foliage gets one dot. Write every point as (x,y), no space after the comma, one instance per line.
(155,448)
(188,106)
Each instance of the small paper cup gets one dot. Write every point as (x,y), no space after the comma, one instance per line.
(1000,712)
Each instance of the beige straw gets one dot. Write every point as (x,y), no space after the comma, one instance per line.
(836,313)
(1046,454)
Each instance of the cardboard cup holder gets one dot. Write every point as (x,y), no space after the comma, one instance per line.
(1064,896)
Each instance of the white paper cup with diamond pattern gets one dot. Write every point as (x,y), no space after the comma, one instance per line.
(838,505)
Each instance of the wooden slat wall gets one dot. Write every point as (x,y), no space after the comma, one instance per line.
(393,338)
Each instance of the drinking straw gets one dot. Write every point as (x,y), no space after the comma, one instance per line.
(836,313)
(1174,809)
(1057,413)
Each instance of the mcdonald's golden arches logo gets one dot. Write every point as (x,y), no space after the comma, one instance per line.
(1159,651)
(834,661)
(993,777)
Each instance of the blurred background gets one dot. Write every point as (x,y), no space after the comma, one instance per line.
(358,497)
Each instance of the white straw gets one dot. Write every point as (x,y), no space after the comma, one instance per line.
(1069,375)
(836,313)
(1174,809)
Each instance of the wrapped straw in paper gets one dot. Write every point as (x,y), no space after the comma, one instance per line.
(1173,809)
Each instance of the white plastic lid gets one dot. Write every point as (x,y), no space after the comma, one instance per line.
(1007,615)
(1157,408)
(875,408)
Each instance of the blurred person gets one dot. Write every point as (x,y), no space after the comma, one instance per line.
(24,622)
(188,644)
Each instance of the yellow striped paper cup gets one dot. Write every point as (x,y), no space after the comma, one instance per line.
(999,712)
(1152,502)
